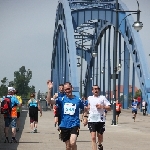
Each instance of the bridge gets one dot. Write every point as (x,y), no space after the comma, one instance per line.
(95,42)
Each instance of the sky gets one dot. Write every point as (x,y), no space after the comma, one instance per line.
(26,36)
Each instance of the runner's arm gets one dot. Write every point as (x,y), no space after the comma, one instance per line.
(39,107)
(85,115)
(107,105)
(49,100)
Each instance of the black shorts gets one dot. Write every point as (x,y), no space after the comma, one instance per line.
(65,133)
(57,114)
(18,114)
(98,127)
(134,111)
(33,114)
(59,119)
(118,113)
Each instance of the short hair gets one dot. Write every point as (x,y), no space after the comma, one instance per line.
(61,84)
(68,83)
(96,85)
(32,95)
(16,92)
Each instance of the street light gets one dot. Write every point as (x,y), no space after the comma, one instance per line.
(94,53)
(137,26)
(81,64)
(78,63)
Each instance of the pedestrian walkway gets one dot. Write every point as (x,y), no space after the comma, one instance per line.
(127,135)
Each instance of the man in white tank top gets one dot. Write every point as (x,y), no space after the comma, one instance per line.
(96,119)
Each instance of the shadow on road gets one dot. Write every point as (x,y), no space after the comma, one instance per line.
(13,146)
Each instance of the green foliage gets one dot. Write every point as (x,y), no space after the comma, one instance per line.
(137,93)
(21,83)
(3,87)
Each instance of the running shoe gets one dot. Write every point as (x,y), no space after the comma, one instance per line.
(100,147)
(35,130)
(14,140)
(6,140)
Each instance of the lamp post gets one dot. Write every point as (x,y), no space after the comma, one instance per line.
(109,78)
(81,68)
(81,65)
(137,26)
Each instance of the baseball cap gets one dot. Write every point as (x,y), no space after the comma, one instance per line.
(11,89)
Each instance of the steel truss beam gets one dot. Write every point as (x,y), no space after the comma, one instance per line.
(74,19)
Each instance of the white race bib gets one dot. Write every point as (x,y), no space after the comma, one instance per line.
(69,108)
(94,118)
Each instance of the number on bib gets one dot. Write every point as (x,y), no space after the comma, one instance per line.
(69,108)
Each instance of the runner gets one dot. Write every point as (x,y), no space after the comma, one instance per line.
(70,121)
(85,103)
(10,119)
(118,110)
(18,109)
(34,106)
(134,108)
(96,120)
(144,107)
(56,107)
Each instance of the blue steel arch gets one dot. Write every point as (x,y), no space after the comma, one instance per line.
(71,17)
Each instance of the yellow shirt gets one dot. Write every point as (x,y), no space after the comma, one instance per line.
(20,101)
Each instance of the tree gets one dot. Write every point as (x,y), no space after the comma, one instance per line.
(138,93)
(3,87)
(21,81)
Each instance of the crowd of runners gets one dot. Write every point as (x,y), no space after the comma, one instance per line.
(11,109)
(67,109)
(93,109)
(66,114)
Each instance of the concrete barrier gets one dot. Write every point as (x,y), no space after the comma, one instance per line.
(1,128)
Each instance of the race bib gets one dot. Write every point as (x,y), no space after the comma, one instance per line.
(94,118)
(69,108)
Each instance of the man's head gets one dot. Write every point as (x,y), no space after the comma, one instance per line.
(11,90)
(95,90)
(61,88)
(68,89)
(135,98)
(84,98)
(15,92)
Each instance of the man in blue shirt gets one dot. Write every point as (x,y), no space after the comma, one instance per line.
(56,97)
(134,106)
(69,106)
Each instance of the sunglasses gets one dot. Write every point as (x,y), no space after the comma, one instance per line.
(96,88)
(68,89)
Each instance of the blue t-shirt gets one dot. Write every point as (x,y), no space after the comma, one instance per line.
(14,100)
(33,103)
(61,94)
(69,108)
(134,106)
(85,102)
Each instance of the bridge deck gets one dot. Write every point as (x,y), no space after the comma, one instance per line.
(126,135)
